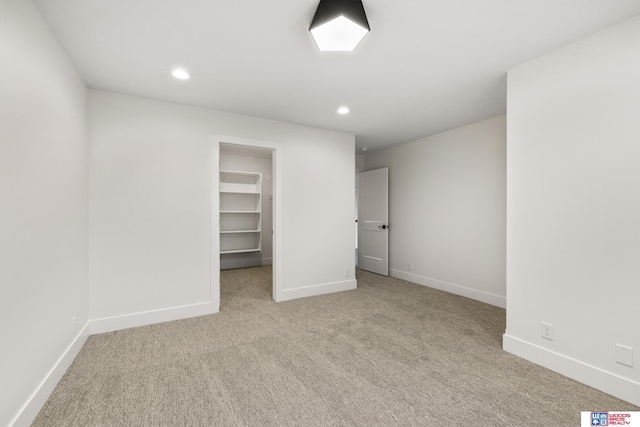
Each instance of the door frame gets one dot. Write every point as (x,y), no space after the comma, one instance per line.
(277,167)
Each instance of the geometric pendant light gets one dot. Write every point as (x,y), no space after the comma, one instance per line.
(339,25)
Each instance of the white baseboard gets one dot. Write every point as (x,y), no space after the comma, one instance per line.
(608,382)
(324,288)
(116,323)
(226,264)
(36,401)
(486,297)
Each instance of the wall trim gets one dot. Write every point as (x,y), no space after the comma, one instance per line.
(321,289)
(116,323)
(608,382)
(29,411)
(486,297)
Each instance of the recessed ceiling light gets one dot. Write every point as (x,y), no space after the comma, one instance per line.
(180,74)
(343,110)
(364,148)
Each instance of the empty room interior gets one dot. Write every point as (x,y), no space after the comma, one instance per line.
(178,188)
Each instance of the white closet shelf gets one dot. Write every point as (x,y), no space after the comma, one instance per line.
(254,193)
(239,173)
(240,212)
(238,251)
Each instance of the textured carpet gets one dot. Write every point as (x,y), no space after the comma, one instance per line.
(390,353)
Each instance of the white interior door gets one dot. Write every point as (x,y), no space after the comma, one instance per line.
(373,221)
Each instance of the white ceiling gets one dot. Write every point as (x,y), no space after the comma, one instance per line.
(426,67)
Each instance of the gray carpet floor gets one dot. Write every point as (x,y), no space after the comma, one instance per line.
(390,353)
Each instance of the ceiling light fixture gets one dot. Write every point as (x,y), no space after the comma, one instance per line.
(339,25)
(343,110)
(180,74)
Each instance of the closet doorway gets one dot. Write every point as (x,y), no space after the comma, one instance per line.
(246,207)
(246,219)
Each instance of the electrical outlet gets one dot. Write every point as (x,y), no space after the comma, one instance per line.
(546,330)
(624,355)
(73,325)
(346,272)
(410,266)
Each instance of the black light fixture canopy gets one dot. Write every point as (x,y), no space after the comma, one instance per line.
(331,9)
(339,25)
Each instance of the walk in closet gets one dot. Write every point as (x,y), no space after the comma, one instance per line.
(246,197)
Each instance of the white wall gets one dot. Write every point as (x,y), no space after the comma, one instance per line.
(573,212)
(264,166)
(43,205)
(359,163)
(359,168)
(151,166)
(447,210)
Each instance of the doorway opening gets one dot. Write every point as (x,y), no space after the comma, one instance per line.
(246,223)
(246,219)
